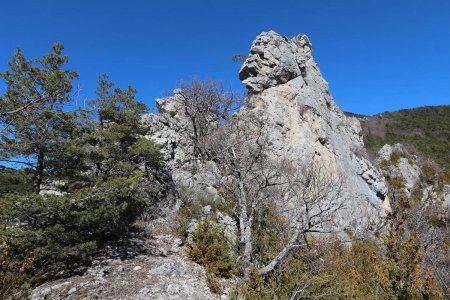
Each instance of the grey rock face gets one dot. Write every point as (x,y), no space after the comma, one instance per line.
(406,167)
(229,226)
(171,128)
(274,60)
(446,196)
(372,177)
(304,123)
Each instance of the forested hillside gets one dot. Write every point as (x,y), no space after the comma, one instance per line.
(424,129)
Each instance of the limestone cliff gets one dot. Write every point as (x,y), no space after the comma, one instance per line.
(288,92)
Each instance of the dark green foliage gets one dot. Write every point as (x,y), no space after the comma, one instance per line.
(16,181)
(34,122)
(14,282)
(65,231)
(426,129)
(113,145)
(95,160)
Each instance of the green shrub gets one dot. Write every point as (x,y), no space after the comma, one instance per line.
(192,206)
(256,287)
(269,232)
(14,270)
(396,183)
(210,248)
(15,181)
(213,283)
(426,129)
(63,232)
(396,155)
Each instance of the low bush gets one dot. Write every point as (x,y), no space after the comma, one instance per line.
(210,248)
(62,233)
(192,204)
(14,272)
(327,269)
(15,181)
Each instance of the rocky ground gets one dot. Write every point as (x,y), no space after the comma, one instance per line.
(161,271)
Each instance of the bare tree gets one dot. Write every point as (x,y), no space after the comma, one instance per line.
(310,196)
(206,104)
(430,221)
(253,176)
(239,57)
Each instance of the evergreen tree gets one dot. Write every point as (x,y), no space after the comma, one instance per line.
(35,121)
(98,154)
(115,145)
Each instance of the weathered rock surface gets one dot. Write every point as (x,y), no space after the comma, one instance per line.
(275,60)
(288,93)
(397,162)
(171,128)
(305,124)
(167,274)
(446,192)
(406,166)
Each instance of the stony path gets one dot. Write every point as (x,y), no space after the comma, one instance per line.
(166,274)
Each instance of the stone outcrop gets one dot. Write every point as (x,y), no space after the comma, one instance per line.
(171,129)
(398,163)
(404,166)
(275,60)
(162,272)
(287,92)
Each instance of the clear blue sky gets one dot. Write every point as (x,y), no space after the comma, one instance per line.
(376,55)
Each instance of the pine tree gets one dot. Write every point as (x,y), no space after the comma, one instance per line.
(115,143)
(35,120)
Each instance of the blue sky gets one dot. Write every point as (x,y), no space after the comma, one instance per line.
(376,55)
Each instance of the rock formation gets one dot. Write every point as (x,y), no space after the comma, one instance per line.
(398,163)
(405,166)
(287,91)
(170,128)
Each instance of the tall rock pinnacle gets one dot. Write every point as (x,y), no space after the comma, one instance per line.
(303,124)
(289,93)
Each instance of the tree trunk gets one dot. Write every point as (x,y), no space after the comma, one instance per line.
(268,268)
(39,173)
(245,230)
